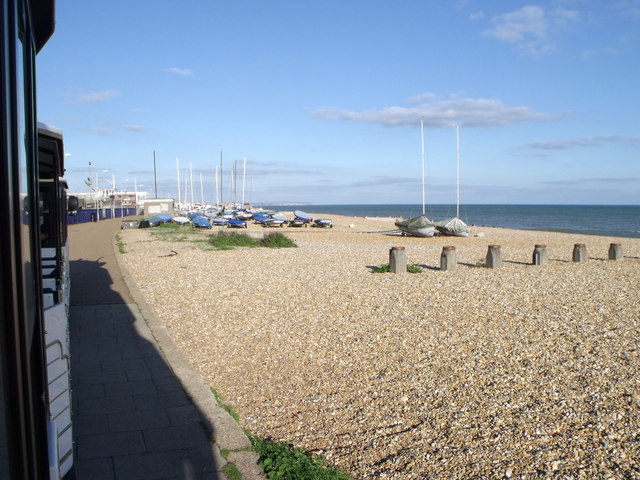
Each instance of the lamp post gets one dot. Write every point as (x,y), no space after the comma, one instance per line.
(113,188)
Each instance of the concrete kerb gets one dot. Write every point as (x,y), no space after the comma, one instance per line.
(227,434)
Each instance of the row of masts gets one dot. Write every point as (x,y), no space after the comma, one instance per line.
(216,181)
(424,197)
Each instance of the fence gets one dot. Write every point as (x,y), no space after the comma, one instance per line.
(91,214)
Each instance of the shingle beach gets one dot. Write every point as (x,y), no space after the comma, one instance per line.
(518,372)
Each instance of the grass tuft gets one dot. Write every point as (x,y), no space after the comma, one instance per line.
(120,244)
(385,268)
(228,241)
(277,240)
(231,471)
(169,226)
(283,460)
(227,408)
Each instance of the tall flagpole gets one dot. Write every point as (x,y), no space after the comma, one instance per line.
(178,169)
(191,184)
(458,171)
(244,171)
(201,189)
(423,183)
(155,178)
(217,189)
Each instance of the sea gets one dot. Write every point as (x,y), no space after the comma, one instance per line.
(603,220)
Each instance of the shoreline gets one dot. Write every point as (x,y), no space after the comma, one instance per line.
(620,221)
(474,372)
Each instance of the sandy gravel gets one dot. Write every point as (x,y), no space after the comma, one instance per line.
(519,372)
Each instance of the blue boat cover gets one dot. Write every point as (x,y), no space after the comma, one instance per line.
(303,216)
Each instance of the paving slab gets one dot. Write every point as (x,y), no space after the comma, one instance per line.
(140,409)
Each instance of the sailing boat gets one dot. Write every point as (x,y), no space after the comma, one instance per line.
(454,226)
(418,226)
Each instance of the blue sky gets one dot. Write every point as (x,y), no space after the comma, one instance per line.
(324,98)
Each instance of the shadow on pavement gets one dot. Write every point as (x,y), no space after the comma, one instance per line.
(132,417)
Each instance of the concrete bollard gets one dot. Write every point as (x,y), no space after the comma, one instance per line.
(580,253)
(397,260)
(615,251)
(494,257)
(448,258)
(540,255)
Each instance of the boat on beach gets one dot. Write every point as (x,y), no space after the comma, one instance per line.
(323,223)
(235,223)
(418,226)
(200,222)
(219,222)
(455,227)
(274,220)
(181,220)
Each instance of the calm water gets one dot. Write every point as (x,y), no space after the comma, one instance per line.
(605,220)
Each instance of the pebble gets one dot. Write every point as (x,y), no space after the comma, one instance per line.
(518,372)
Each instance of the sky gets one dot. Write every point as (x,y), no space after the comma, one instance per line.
(324,99)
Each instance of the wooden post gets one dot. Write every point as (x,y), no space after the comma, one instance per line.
(580,253)
(615,251)
(540,255)
(397,260)
(494,257)
(448,258)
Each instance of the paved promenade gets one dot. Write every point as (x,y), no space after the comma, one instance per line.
(141,412)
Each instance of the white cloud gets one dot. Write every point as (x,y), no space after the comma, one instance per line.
(629,7)
(442,112)
(531,27)
(184,72)
(476,15)
(516,26)
(100,130)
(134,128)
(94,97)
(583,142)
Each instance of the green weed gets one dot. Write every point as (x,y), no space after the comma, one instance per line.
(120,244)
(385,268)
(228,241)
(231,471)
(277,240)
(227,408)
(283,460)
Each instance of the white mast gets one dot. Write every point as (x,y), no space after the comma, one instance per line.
(423,189)
(193,202)
(458,171)
(201,189)
(186,186)
(178,169)
(217,189)
(244,171)
(233,183)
